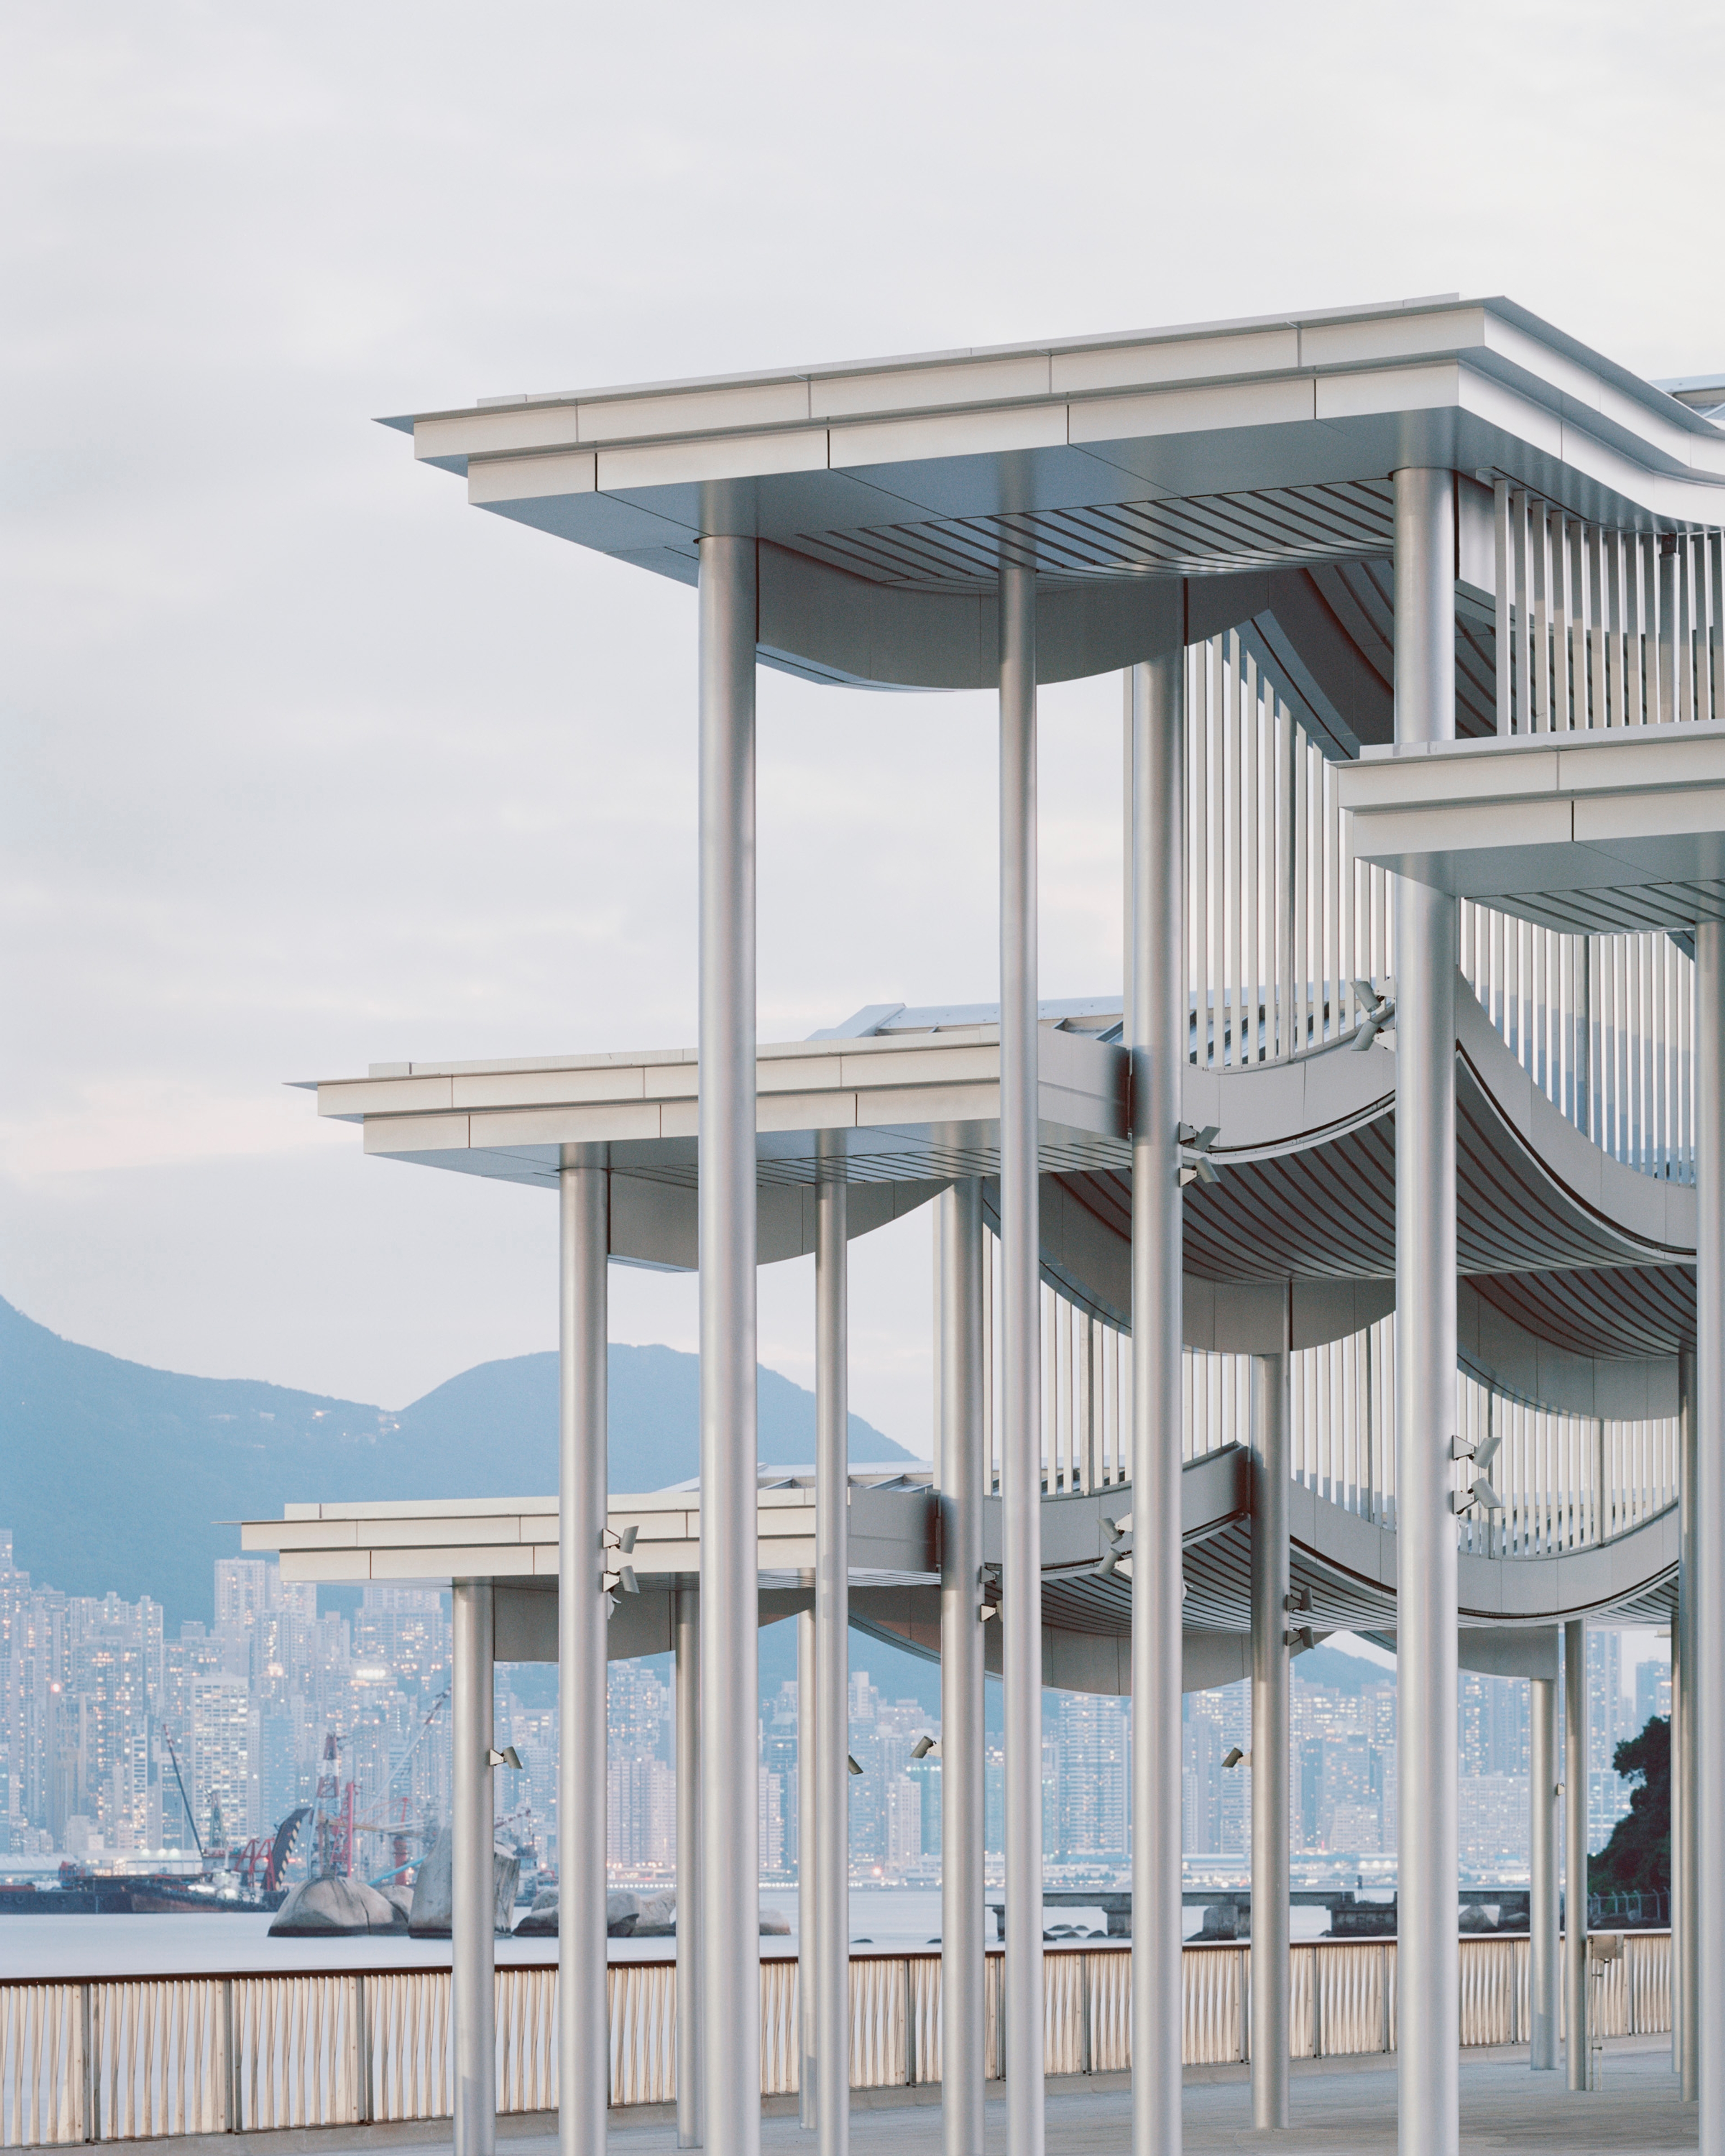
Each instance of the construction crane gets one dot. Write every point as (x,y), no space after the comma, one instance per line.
(185,1801)
(399,1829)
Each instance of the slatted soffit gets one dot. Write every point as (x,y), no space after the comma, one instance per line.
(1251,458)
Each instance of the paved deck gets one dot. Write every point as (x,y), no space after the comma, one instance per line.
(1347,2111)
(1503,2105)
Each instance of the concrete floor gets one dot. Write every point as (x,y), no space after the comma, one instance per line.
(1349,2111)
(1503,2105)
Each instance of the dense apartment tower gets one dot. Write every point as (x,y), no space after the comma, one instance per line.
(1095,1772)
(1215,1800)
(1653,1691)
(1607,1795)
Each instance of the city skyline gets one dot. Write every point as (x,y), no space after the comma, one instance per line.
(104,1715)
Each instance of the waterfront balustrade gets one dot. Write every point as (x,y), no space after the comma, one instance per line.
(135,2058)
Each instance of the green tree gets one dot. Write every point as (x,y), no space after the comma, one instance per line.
(1638,1857)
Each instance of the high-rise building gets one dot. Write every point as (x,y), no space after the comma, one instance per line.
(780,1742)
(1608,1796)
(224,1761)
(1653,1691)
(1096,1768)
(771,1800)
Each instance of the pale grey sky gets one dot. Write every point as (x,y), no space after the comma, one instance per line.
(307,764)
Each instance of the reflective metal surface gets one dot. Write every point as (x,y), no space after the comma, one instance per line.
(1543,1951)
(584,2011)
(730,1798)
(958,1258)
(686,1639)
(472,1892)
(1427,2100)
(1021,1379)
(1158,1004)
(1271,1622)
(829,1913)
(1706,1669)
(1575,1771)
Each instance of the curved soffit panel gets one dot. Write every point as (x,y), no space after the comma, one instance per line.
(1580,1250)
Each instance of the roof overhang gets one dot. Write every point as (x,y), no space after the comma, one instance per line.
(1589,832)
(896,1117)
(432,1541)
(886,493)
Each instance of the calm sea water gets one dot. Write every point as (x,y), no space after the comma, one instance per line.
(883,1920)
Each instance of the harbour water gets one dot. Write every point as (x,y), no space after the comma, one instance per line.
(883,1920)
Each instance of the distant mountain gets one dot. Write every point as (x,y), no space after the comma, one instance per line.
(114,1477)
(1336,1669)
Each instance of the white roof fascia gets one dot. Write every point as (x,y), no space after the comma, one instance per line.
(1494,338)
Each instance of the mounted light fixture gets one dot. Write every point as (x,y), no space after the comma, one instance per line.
(1380,1015)
(1119,1534)
(923,1746)
(1480,1492)
(1196,1165)
(508,1757)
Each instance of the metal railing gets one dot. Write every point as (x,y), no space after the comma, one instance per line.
(1567,1481)
(1597,628)
(1283,925)
(1283,928)
(1282,921)
(138,2058)
(1087,1385)
(1604,1025)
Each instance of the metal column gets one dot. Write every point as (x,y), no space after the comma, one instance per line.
(1271,1876)
(831,1914)
(1157,1042)
(1575,1853)
(685,1617)
(1427,1973)
(1681,1989)
(583,2015)
(960,1451)
(1704,1674)
(1021,1363)
(1684,1799)
(473,1893)
(1543,1867)
(729,1706)
(806,1800)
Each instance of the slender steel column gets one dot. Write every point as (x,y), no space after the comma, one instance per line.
(959,1456)
(583,2016)
(473,1894)
(806,1800)
(729,1704)
(1681,1988)
(1270,1875)
(1543,1854)
(685,1617)
(1705,1668)
(1685,2035)
(1575,1852)
(1021,1365)
(832,1675)
(1157,1042)
(1428,1972)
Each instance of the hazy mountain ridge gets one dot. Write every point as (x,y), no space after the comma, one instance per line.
(117,1477)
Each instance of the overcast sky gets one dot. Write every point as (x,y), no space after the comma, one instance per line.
(309,764)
